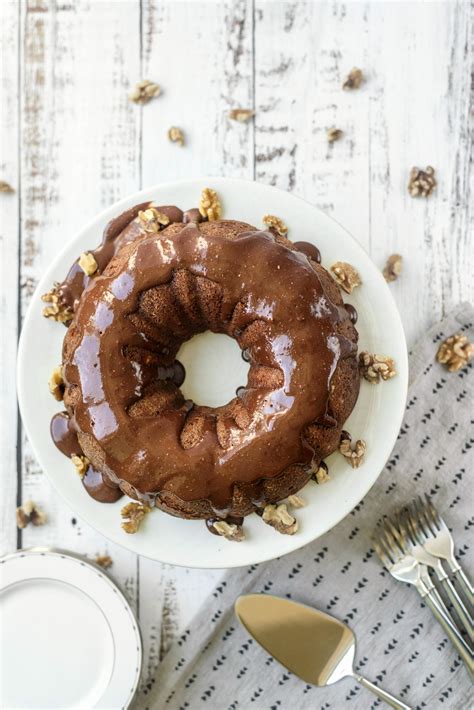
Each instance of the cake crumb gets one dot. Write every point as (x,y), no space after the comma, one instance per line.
(296,501)
(455,352)
(279,518)
(57,311)
(241,114)
(275,223)
(230,531)
(334,134)
(88,263)
(133,514)
(374,367)
(56,383)
(422,182)
(5,186)
(29,513)
(393,267)
(104,561)
(144,91)
(354,455)
(81,463)
(209,205)
(354,79)
(176,135)
(346,276)
(152,220)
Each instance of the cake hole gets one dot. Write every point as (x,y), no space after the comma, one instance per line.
(214,369)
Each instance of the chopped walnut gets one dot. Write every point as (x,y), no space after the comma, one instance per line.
(144,91)
(81,463)
(133,514)
(275,223)
(5,187)
(56,383)
(354,455)
(393,267)
(296,501)
(354,79)
(322,476)
(455,352)
(229,531)
(209,205)
(376,367)
(346,276)
(56,311)
(88,263)
(279,518)
(176,135)
(334,134)
(104,561)
(241,114)
(422,182)
(152,220)
(29,513)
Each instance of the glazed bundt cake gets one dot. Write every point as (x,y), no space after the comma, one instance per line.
(160,277)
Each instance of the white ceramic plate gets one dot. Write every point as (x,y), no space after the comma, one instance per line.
(376,418)
(68,638)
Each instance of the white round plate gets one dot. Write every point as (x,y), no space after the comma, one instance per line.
(376,417)
(68,638)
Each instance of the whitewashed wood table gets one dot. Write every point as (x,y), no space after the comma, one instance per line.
(72,144)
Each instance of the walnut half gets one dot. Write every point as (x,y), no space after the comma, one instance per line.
(296,501)
(346,276)
(81,463)
(373,368)
(133,514)
(29,513)
(354,455)
(104,561)
(152,220)
(56,310)
(230,531)
(354,79)
(209,205)
(56,383)
(144,91)
(421,182)
(176,135)
(393,267)
(275,223)
(279,518)
(455,352)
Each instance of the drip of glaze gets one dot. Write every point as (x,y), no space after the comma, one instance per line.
(230,520)
(353,315)
(240,390)
(308,250)
(64,435)
(175,372)
(192,215)
(99,487)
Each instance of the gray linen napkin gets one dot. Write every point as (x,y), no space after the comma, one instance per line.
(215,665)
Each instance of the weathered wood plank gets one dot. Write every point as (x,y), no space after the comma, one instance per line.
(201,55)
(80,139)
(9,238)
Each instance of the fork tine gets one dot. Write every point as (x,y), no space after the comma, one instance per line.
(423,517)
(386,561)
(414,525)
(394,531)
(390,544)
(433,514)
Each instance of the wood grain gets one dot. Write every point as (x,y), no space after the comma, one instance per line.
(79,145)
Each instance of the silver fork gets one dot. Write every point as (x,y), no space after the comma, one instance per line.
(414,544)
(438,541)
(406,568)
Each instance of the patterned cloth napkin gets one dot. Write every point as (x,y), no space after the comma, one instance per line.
(215,665)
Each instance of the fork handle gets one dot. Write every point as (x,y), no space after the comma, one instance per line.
(461,577)
(459,607)
(382,694)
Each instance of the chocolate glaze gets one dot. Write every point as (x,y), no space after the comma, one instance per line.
(192,215)
(100,488)
(309,250)
(230,520)
(175,372)
(353,315)
(145,452)
(64,435)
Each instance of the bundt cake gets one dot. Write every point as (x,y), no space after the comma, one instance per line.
(159,277)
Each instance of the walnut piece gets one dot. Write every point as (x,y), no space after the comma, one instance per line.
(144,91)
(421,182)
(29,513)
(275,223)
(133,514)
(296,501)
(393,267)
(81,463)
(56,383)
(5,187)
(209,205)
(176,135)
(104,561)
(354,455)
(88,263)
(354,79)
(230,531)
(321,475)
(455,352)
(279,518)
(56,311)
(152,220)
(241,114)
(376,367)
(334,134)
(346,276)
